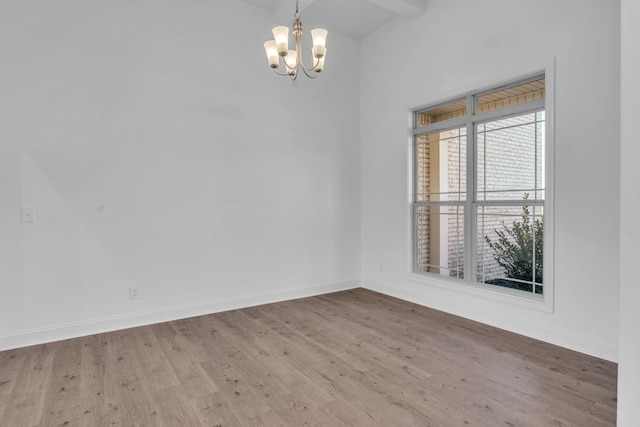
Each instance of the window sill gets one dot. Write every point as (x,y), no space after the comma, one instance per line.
(491,292)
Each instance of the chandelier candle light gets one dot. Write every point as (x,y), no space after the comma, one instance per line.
(279,47)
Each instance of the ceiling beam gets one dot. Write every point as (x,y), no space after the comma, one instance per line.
(283,13)
(403,7)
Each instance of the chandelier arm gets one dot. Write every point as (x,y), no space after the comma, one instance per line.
(310,75)
(297,32)
(293,76)
(279,73)
(306,72)
(315,64)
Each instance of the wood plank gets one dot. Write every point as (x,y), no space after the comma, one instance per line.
(62,396)
(24,405)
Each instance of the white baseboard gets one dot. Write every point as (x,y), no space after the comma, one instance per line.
(583,344)
(96,326)
(562,338)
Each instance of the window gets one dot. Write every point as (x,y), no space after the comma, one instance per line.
(479,187)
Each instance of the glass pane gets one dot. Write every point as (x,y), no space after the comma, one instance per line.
(440,240)
(510,243)
(514,95)
(442,113)
(441,166)
(511,158)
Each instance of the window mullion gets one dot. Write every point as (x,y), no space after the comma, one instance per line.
(414,216)
(469,214)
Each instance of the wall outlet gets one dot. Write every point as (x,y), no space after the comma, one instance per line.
(28,214)
(133,292)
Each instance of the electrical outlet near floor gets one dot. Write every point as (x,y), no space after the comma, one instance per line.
(28,214)
(133,292)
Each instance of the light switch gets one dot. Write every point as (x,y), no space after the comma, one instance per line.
(28,214)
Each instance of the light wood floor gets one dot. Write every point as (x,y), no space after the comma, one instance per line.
(353,358)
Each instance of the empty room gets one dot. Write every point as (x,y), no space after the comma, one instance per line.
(319,212)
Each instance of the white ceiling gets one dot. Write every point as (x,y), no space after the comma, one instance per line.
(356,18)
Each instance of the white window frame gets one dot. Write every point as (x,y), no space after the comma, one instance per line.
(468,285)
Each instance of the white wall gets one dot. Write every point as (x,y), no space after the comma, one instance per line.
(160,151)
(629,366)
(153,161)
(460,46)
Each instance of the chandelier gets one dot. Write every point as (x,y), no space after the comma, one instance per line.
(279,48)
